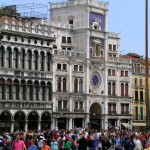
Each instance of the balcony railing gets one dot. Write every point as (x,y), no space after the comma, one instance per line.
(62,109)
(78,110)
(112,112)
(125,112)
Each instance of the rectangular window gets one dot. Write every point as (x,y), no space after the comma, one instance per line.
(135,81)
(64,66)
(141,96)
(141,113)
(114,48)
(138,68)
(140,82)
(59,66)
(136,112)
(126,73)
(110,47)
(75,67)
(81,68)
(64,104)
(68,39)
(59,105)
(76,105)
(71,21)
(81,105)
(136,96)
(109,72)
(122,73)
(113,72)
(69,49)
(63,39)
(63,48)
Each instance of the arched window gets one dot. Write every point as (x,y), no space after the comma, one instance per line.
(15,58)
(16,90)
(113,89)
(2,89)
(36,90)
(49,91)
(9,90)
(59,84)
(29,59)
(42,61)
(1,56)
(76,86)
(64,84)
(48,60)
(81,86)
(22,59)
(109,88)
(23,90)
(8,57)
(42,91)
(122,89)
(35,60)
(126,90)
(29,91)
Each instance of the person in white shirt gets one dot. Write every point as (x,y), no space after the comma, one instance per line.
(137,142)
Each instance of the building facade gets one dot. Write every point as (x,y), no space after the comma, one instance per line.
(65,72)
(138,91)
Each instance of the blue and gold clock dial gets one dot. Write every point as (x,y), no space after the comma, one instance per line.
(95,80)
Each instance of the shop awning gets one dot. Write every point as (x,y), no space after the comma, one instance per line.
(139,124)
(126,125)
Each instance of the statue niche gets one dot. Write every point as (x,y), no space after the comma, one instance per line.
(96,24)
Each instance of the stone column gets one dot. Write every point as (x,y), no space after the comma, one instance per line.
(39,125)
(12,126)
(105,123)
(130,124)
(102,123)
(4,59)
(86,120)
(26,125)
(70,123)
(118,122)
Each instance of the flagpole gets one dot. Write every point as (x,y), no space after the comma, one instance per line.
(147,71)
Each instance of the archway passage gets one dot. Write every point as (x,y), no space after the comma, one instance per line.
(19,119)
(5,121)
(45,121)
(95,116)
(78,122)
(62,122)
(33,121)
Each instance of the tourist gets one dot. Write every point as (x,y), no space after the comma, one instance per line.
(32,145)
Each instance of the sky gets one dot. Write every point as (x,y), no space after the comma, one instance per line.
(126,17)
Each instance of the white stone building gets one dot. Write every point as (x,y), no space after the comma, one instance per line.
(63,73)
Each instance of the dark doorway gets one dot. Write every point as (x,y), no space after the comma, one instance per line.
(33,121)
(45,121)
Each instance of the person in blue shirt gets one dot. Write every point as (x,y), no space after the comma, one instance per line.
(32,146)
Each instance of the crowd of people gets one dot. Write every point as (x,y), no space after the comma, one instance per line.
(75,139)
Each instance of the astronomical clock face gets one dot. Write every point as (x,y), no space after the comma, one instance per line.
(96,81)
